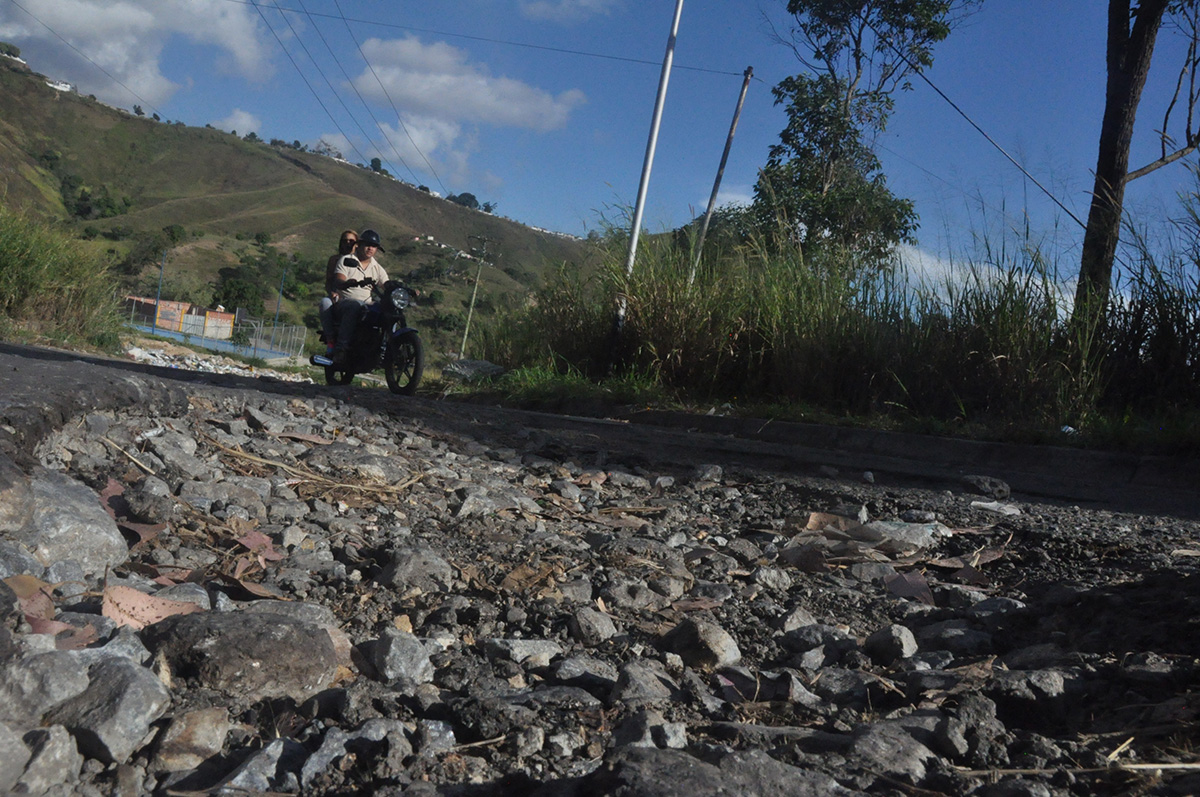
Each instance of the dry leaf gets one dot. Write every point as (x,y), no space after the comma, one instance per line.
(66,636)
(143,531)
(260,546)
(525,577)
(136,609)
(911,585)
(33,596)
(112,498)
(821,521)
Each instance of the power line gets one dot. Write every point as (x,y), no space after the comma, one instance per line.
(337,61)
(386,93)
(324,77)
(921,74)
(316,96)
(84,55)
(506,42)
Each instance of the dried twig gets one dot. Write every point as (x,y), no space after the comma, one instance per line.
(131,457)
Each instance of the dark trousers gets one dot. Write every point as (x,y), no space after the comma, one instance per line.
(346,312)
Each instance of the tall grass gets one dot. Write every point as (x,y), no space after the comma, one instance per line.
(52,287)
(992,347)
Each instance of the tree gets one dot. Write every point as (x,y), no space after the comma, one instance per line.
(467,200)
(822,179)
(1132,30)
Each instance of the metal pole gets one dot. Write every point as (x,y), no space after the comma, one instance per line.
(278,302)
(462,350)
(640,208)
(158,297)
(712,200)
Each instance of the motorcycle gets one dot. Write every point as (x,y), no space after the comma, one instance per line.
(382,337)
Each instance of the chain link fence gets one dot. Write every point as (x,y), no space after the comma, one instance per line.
(236,333)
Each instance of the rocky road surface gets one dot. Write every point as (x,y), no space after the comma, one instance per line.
(223,584)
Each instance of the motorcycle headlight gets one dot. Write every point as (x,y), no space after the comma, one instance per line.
(400,298)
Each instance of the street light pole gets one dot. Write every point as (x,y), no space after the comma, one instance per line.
(158,296)
(278,302)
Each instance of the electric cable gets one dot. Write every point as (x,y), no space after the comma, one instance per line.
(506,42)
(358,94)
(386,93)
(324,77)
(300,72)
(84,55)
(921,74)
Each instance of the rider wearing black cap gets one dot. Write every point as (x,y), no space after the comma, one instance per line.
(352,280)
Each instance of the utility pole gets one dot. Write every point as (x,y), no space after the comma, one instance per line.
(483,242)
(278,302)
(640,208)
(158,297)
(712,200)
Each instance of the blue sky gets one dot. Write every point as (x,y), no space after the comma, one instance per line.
(500,98)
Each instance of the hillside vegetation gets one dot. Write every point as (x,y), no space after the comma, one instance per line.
(224,208)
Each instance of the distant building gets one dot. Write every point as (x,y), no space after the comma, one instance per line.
(60,85)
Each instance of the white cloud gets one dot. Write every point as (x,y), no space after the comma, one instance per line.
(437,81)
(566,11)
(242,121)
(126,39)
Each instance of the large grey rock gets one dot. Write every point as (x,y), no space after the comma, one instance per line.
(653,772)
(648,728)
(644,681)
(251,655)
(702,644)
(55,761)
(34,684)
(273,768)
(890,644)
(16,497)
(16,560)
(191,738)
(590,626)
(890,749)
(112,717)
(68,522)
(376,736)
(417,567)
(13,757)
(402,659)
(527,652)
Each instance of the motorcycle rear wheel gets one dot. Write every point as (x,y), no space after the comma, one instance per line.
(336,376)
(404,363)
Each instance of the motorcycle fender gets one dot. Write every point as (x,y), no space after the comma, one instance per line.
(402,331)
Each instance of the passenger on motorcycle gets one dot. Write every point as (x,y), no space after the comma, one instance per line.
(325,308)
(352,281)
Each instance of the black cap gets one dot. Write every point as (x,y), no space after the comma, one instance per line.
(370,238)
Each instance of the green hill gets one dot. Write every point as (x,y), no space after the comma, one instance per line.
(226,208)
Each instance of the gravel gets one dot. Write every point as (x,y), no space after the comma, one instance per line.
(335,591)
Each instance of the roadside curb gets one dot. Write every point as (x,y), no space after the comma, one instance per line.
(1043,471)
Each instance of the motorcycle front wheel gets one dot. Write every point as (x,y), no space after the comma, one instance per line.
(336,376)
(403,363)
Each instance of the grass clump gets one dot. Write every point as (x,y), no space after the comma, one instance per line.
(989,353)
(52,287)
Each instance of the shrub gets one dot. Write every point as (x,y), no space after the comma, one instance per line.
(53,286)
